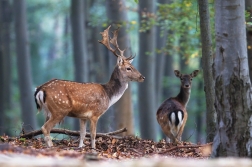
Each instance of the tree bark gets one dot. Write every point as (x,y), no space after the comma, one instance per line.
(248,6)
(79,44)
(232,83)
(23,65)
(207,64)
(117,15)
(79,41)
(146,94)
(5,64)
(161,38)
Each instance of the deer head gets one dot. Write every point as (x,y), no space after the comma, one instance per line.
(186,79)
(129,73)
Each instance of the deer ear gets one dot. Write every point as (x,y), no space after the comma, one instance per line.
(120,61)
(194,73)
(177,73)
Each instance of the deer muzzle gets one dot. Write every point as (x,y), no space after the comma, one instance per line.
(141,79)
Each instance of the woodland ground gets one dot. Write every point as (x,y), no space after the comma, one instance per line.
(107,147)
(111,151)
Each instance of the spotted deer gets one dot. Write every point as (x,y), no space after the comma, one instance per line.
(86,101)
(172,114)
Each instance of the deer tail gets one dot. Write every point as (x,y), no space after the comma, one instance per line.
(40,97)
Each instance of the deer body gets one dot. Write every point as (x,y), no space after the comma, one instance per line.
(86,101)
(172,114)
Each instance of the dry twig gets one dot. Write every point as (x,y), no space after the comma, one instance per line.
(189,146)
(72,133)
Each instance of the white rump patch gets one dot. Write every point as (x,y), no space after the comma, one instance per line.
(180,118)
(173,128)
(173,118)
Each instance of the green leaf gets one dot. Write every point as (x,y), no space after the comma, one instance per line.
(22,139)
(136,1)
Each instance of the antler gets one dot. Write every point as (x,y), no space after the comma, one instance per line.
(106,40)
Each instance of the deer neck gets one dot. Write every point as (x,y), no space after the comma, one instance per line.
(184,95)
(116,86)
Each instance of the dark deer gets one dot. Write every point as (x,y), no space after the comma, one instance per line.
(86,101)
(172,114)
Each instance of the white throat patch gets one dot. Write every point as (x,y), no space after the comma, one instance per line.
(118,95)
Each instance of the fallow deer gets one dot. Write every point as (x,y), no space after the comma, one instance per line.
(172,114)
(86,101)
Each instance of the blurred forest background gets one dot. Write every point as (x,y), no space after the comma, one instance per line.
(47,39)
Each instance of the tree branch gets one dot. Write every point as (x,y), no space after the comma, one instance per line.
(178,147)
(72,133)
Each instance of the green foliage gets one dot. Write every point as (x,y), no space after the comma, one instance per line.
(22,139)
(136,1)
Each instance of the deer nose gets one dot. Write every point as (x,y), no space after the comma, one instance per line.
(187,86)
(142,77)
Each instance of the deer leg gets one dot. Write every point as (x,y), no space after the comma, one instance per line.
(181,129)
(47,127)
(93,124)
(83,125)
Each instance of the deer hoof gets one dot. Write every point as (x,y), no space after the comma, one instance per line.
(48,141)
(81,145)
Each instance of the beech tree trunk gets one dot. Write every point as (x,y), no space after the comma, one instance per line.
(5,64)
(232,83)
(248,7)
(79,44)
(207,66)
(24,67)
(146,92)
(117,15)
(161,38)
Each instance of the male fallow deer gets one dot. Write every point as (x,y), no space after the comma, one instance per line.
(86,101)
(172,114)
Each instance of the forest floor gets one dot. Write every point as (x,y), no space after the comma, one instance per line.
(111,151)
(106,148)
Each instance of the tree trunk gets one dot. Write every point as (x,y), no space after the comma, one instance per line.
(23,66)
(207,64)
(232,83)
(79,44)
(117,15)
(161,38)
(146,94)
(79,41)
(248,6)
(5,64)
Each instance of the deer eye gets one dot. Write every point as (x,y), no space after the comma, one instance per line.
(191,79)
(128,69)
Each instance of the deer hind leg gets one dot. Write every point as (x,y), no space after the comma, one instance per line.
(83,125)
(93,124)
(47,127)
(182,128)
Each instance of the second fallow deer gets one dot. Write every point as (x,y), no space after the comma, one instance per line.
(172,114)
(86,101)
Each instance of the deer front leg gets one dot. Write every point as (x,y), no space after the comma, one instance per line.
(93,124)
(83,125)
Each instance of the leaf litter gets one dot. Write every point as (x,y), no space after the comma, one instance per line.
(128,147)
